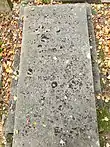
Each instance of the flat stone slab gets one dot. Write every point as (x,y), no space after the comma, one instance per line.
(56,104)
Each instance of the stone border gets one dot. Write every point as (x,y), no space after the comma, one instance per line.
(95,69)
(10,120)
(67,1)
(79,1)
(105,1)
(9,125)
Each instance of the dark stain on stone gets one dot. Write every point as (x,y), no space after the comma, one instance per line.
(60,107)
(54,84)
(61,47)
(57,130)
(39,45)
(45,16)
(43,36)
(29,71)
(54,13)
(80,84)
(70,86)
(58,31)
(43,98)
(73,81)
(34,41)
(42,40)
(36,29)
(42,27)
(54,49)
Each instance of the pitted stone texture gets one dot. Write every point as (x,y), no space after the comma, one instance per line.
(56,104)
(105,1)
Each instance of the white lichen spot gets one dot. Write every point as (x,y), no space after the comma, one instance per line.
(89,137)
(42,101)
(65,97)
(97,143)
(32,9)
(16,131)
(88,56)
(15,98)
(44,125)
(108,77)
(3,119)
(71,116)
(67,61)
(80,74)
(55,58)
(91,47)
(67,131)
(62,142)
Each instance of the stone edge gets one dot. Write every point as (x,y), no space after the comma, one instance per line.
(9,124)
(95,69)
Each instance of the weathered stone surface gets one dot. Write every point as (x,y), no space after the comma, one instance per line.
(105,1)
(56,104)
(4,6)
(9,124)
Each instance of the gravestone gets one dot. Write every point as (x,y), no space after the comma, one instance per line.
(56,104)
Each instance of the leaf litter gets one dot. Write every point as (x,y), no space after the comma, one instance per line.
(101,21)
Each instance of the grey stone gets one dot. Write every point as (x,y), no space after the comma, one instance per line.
(95,69)
(4,6)
(105,1)
(9,125)
(56,103)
